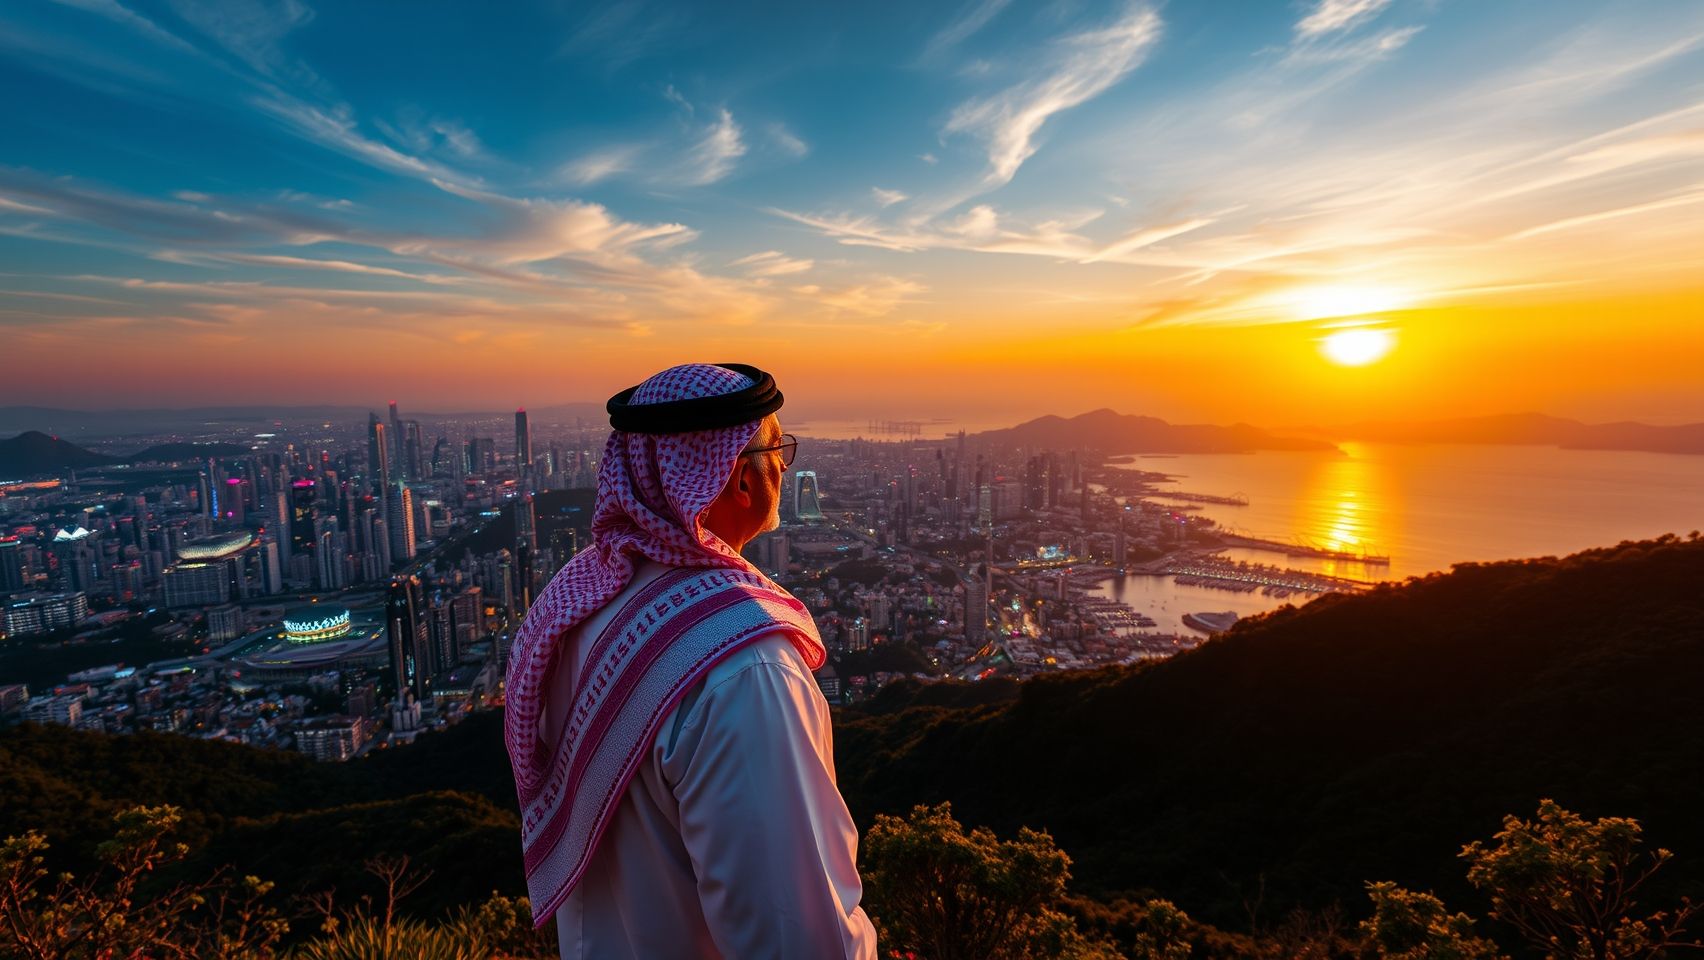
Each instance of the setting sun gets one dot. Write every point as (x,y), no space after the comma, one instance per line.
(1357,346)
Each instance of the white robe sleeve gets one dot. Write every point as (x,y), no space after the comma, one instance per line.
(772,844)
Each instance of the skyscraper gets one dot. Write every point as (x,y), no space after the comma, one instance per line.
(12,569)
(523,441)
(807,505)
(405,627)
(378,453)
(526,522)
(413,464)
(401,523)
(301,517)
(976,608)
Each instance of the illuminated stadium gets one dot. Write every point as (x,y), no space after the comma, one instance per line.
(215,547)
(317,625)
(313,639)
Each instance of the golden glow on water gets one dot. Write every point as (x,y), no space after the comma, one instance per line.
(1350,504)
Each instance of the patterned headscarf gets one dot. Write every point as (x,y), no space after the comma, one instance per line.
(652,492)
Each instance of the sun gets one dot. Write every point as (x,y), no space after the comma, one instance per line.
(1357,346)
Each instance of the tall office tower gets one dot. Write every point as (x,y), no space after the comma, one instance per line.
(302,517)
(440,638)
(378,454)
(414,465)
(807,504)
(380,536)
(467,618)
(278,521)
(458,469)
(1035,485)
(233,506)
(12,569)
(401,522)
(1120,552)
(526,522)
(975,609)
(523,441)
(481,455)
(328,573)
(271,568)
(405,627)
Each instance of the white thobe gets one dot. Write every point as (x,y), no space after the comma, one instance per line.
(732,839)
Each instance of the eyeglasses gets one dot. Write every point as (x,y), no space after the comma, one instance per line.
(789,447)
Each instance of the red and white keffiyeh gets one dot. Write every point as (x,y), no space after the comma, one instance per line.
(652,492)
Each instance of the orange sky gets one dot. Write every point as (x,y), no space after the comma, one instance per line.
(1033,209)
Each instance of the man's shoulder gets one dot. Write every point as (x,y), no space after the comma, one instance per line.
(773,647)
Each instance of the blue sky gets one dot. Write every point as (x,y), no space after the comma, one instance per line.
(618,183)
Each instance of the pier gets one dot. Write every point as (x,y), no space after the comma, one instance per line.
(1234,500)
(1303,550)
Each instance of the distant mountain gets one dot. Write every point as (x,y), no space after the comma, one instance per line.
(1523,429)
(176,452)
(32,453)
(108,423)
(1115,433)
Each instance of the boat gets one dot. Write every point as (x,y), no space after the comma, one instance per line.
(1210,622)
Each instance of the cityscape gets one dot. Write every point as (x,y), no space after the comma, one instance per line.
(340,588)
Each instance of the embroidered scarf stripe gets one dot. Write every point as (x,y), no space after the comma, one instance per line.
(656,647)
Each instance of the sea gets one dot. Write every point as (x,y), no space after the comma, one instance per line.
(1425,506)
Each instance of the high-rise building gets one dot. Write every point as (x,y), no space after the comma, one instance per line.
(405,627)
(467,619)
(378,453)
(224,622)
(302,515)
(41,612)
(401,523)
(975,609)
(481,455)
(271,566)
(526,522)
(232,506)
(13,571)
(807,503)
(523,441)
(414,464)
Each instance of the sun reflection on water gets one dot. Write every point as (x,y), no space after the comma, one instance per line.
(1349,504)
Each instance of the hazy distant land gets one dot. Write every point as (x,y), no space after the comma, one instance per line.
(34,451)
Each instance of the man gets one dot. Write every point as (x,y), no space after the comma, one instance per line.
(671,751)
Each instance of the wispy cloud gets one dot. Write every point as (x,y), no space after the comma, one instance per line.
(600,165)
(984,230)
(787,141)
(772,263)
(113,10)
(972,18)
(1083,66)
(718,148)
(1330,16)
(888,198)
(874,297)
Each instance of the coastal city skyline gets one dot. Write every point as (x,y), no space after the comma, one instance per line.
(1405,210)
